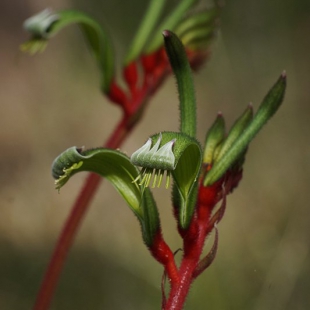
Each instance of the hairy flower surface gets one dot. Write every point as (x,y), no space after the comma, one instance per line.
(154,161)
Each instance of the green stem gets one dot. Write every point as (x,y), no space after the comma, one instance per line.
(266,110)
(98,40)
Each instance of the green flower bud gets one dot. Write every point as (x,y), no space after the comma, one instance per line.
(40,24)
(214,137)
(178,155)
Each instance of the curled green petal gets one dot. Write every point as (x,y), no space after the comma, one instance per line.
(48,23)
(266,110)
(176,154)
(113,165)
(117,168)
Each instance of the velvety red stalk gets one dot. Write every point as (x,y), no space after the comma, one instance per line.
(193,244)
(194,237)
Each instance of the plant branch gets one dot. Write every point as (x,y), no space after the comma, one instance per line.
(193,243)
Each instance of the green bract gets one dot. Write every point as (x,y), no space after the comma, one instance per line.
(117,168)
(199,28)
(145,30)
(170,22)
(178,155)
(244,130)
(199,20)
(235,132)
(110,164)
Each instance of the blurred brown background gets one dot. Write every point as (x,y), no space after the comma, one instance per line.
(52,101)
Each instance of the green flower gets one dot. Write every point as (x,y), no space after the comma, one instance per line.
(176,154)
(40,25)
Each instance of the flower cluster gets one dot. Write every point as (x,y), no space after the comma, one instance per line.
(202,176)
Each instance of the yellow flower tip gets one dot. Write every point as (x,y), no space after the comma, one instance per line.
(146,175)
(67,172)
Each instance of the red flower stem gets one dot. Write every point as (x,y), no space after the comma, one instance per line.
(179,290)
(194,240)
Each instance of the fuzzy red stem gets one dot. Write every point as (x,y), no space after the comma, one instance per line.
(180,289)
(194,240)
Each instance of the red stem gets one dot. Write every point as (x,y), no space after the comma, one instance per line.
(194,239)
(180,289)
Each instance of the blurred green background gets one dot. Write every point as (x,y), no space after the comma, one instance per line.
(52,101)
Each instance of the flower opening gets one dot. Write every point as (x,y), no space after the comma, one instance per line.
(40,24)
